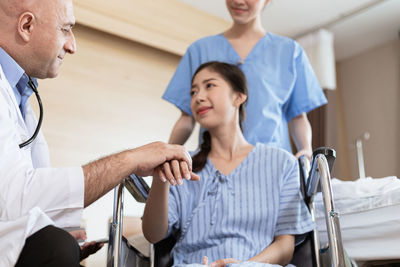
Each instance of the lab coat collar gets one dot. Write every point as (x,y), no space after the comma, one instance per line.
(6,85)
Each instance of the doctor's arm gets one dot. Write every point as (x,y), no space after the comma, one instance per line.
(182,130)
(104,174)
(301,133)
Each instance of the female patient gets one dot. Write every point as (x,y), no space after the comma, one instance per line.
(246,205)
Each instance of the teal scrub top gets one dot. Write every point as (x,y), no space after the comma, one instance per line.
(281,82)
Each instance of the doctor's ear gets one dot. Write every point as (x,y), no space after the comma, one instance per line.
(26,25)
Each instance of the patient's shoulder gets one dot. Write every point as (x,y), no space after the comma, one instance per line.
(279,154)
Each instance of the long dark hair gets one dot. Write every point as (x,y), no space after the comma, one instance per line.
(237,81)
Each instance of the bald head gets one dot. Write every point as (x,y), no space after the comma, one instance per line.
(37,34)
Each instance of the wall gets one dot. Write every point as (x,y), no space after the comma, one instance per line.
(367,101)
(166,25)
(107,98)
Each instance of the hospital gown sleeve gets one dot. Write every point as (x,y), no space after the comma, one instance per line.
(307,93)
(293,217)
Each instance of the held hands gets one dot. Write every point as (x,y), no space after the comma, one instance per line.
(168,162)
(174,172)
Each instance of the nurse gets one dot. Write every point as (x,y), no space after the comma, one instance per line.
(282,84)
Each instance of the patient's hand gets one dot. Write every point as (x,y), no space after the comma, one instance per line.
(223,262)
(174,172)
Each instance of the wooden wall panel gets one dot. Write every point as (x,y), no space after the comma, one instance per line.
(167,25)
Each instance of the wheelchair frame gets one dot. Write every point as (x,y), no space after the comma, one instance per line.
(319,175)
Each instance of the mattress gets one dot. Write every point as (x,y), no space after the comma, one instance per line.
(369,215)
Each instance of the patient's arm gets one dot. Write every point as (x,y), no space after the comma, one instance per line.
(182,129)
(279,252)
(155,216)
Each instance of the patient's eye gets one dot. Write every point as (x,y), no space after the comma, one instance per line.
(193,92)
(210,85)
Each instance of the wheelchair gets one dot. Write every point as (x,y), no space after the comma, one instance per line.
(314,177)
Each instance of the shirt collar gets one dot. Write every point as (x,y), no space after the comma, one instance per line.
(11,69)
(15,75)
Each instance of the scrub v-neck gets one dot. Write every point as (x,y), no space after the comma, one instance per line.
(240,60)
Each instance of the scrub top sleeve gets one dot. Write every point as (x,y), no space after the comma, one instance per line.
(178,90)
(294,217)
(173,211)
(307,93)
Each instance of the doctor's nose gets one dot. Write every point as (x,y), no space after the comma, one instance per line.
(70,45)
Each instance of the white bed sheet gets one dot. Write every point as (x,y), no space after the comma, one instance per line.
(369,211)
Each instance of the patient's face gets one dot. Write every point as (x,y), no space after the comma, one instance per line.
(212,100)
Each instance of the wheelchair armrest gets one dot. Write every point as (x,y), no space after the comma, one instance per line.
(137,187)
(314,175)
(304,165)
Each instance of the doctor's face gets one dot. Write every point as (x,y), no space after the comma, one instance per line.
(245,11)
(53,38)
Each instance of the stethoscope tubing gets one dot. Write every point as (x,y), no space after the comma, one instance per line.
(34,88)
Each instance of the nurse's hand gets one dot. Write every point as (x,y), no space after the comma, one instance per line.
(305,152)
(175,171)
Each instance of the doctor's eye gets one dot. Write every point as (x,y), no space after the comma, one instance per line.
(66,29)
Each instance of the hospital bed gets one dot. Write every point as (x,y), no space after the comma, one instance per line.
(370,218)
(310,253)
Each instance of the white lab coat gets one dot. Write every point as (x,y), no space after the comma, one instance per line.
(32,194)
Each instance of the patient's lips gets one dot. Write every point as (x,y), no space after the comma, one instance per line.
(203,110)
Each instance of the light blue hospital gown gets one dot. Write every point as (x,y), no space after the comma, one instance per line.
(281,82)
(237,216)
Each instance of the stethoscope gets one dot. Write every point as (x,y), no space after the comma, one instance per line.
(34,89)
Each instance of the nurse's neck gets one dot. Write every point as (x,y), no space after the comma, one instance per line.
(252,30)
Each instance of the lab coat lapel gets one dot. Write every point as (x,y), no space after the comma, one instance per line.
(7,87)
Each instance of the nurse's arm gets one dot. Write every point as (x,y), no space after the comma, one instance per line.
(301,133)
(182,130)
(279,252)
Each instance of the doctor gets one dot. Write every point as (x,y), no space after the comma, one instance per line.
(35,199)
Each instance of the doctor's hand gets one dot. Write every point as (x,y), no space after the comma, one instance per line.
(90,248)
(87,248)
